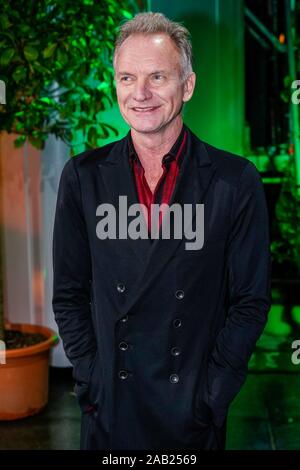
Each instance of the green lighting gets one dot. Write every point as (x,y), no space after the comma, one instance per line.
(276,324)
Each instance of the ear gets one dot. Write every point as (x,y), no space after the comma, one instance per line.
(188,87)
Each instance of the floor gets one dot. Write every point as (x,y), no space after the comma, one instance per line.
(265,415)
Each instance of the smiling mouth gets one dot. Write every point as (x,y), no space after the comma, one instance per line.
(145,109)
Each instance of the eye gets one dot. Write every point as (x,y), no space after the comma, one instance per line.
(158,77)
(126,79)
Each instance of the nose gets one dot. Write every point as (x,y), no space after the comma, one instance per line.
(141,91)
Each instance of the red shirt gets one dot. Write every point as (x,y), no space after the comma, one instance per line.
(171,165)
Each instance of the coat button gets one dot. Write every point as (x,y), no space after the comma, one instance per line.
(175,351)
(123,374)
(123,345)
(124,319)
(121,287)
(176,322)
(179,294)
(174,378)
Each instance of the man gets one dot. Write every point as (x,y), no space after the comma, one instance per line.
(159,335)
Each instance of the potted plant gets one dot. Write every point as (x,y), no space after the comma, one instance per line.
(55,60)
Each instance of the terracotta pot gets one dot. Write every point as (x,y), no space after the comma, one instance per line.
(24,376)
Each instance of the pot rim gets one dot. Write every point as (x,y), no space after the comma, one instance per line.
(52,339)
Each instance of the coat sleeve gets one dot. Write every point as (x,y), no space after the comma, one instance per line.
(72,276)
(249,293)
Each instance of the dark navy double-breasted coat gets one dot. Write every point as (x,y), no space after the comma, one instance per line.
(160,336)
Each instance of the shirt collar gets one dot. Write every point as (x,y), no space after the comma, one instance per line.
(168,157)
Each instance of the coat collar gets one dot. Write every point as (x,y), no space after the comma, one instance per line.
(118,151)
(171,155)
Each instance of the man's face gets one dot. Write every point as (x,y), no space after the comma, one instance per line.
(148,79)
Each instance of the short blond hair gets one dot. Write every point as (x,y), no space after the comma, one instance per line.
(152,23)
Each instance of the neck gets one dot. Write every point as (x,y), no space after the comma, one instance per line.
(152,147)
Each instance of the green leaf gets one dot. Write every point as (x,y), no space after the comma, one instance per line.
(92,136)
(19,126)
(19,141)
(62,57)
(105,133)
(45,99)
(4,22)
(30,53)
(126,13)
(102,86)
(48,52)
(8,35)
(113,129)
(36,142)
(40,68)
(19,73)
(7,56)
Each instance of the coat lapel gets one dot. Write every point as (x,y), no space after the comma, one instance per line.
(191,186)
(118,181)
